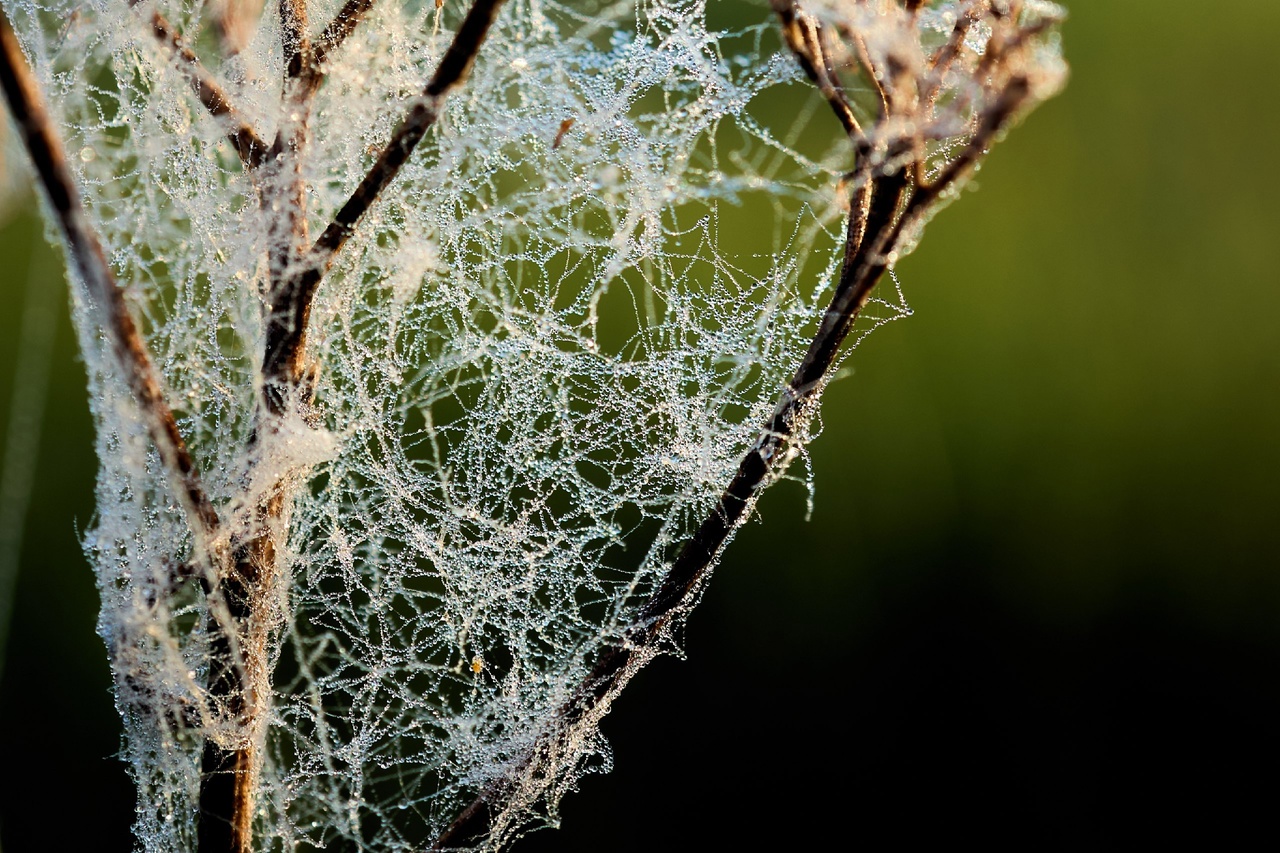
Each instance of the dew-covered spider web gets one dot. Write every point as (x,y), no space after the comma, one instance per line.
(536,365)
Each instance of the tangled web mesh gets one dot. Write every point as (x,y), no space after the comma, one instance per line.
(538,362)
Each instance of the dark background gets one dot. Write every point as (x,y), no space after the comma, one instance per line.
(1038,603)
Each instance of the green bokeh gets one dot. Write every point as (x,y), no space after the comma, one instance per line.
(1046,505)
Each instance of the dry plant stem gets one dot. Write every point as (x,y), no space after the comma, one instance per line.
(215,98)
(804,40)
(872,213)
(284,198)
(241,682)
(291,305)
(888,199)
(947,54)
(86,256)
(884,208)
(343,24)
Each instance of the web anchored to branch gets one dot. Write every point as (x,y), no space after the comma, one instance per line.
(388,516)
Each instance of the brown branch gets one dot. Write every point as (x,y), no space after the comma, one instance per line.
(808,46)
(945,55)
(865,266)
(993,120)
(343,24)
(247,143)
(885,209)
(285,196)
(290,308)
(239,675)
(86,256)
(294,38)
(874,75)
(999,49)
(239,672)
(240,684)
(238,644)
(212,95)
(875,226)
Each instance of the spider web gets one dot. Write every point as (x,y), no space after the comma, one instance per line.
(538,363)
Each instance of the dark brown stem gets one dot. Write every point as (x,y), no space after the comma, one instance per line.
(343,24)
(994,119)
(239,677)
(86,257)
(294,38)
(808,45)
(884,209)
(226,797)
(290,308)
(239,684)
(945,55)
(285,199)
(999,47)
(216,100)
(763,462)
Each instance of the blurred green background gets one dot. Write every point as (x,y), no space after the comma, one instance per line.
(1038,602)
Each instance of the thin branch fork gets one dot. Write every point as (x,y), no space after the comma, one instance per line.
(286,191)
(241,683)
(344,23)
(229,774)
(239,678)
(807,44)
(215,98)
(284,196)
(212,95)
(85,254)
(87,257)
(290,309)
(884,209)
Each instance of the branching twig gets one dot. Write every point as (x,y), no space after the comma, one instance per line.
(212,95)
(889,199)
(888,203)
(343,24)
(290,308)
(239,677)
(285,198)
(802,37)
(239,682)
(294,38)
(86,256)
(229,773)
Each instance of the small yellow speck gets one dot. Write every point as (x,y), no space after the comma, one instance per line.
(477,664)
